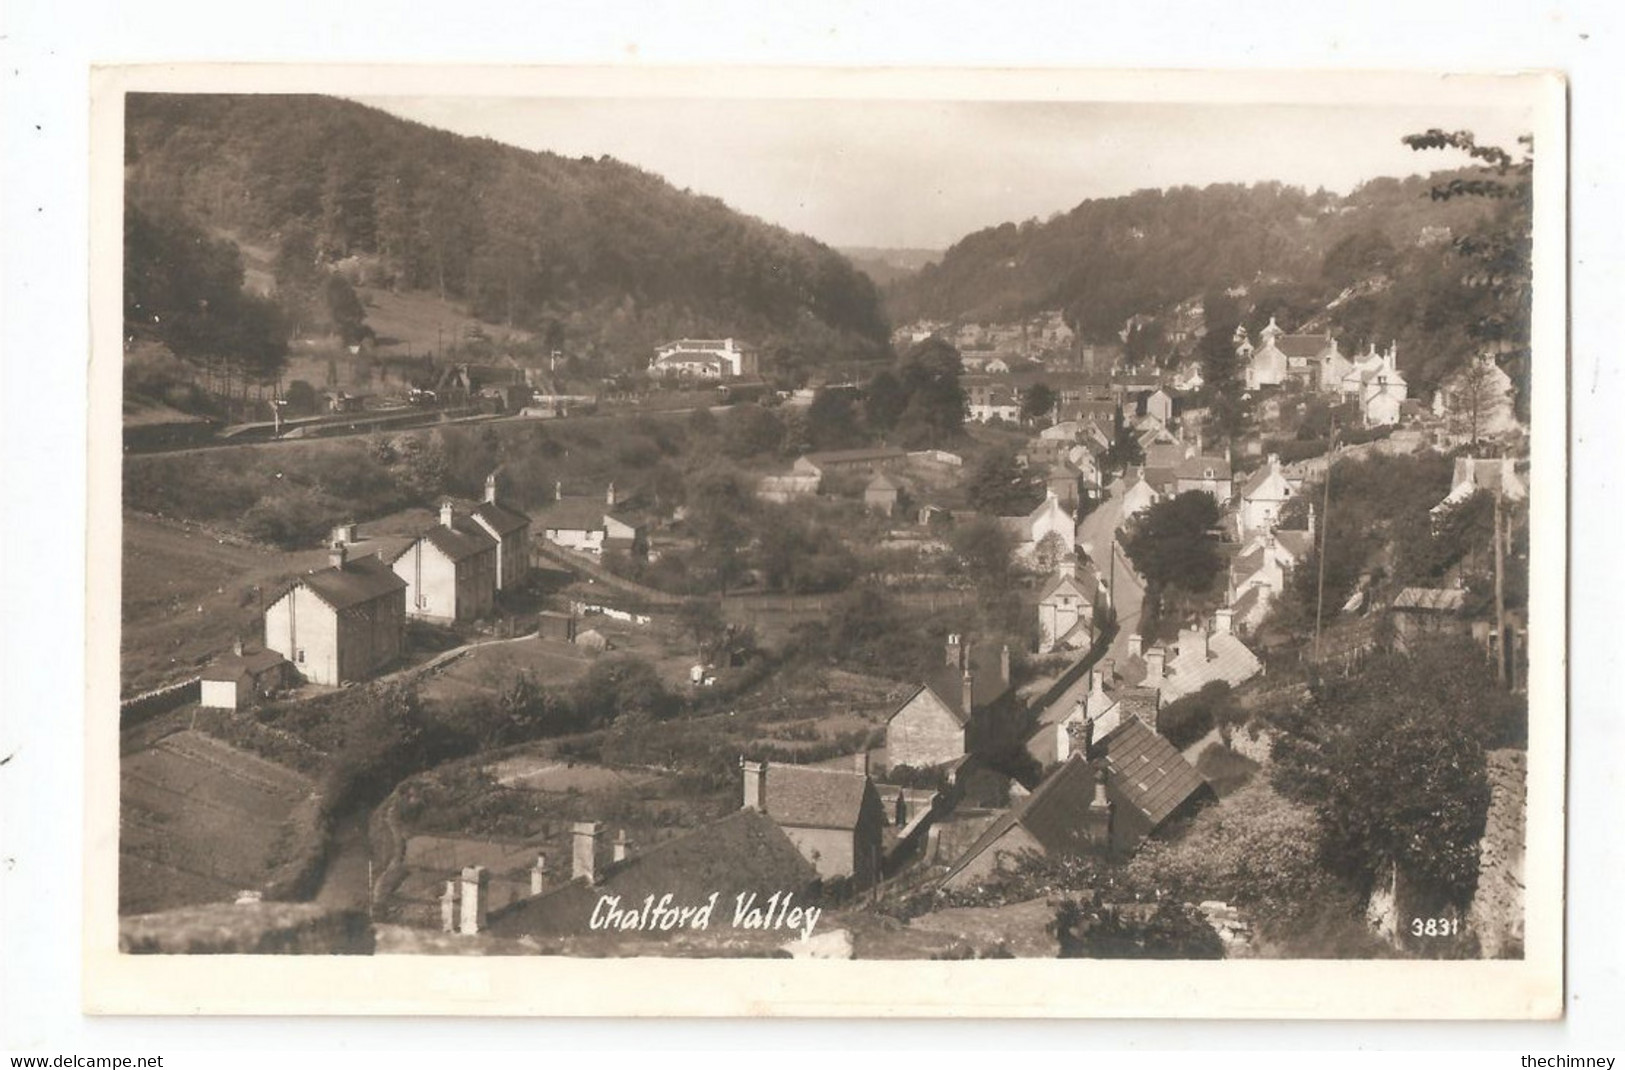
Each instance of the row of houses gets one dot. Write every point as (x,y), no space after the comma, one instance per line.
(1314,363)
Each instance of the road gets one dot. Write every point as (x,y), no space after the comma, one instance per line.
(1097,531)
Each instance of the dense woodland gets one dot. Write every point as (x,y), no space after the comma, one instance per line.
(592,255)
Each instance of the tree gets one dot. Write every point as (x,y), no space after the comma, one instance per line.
(751,432)
(884,401)
(344,309)
(1172,544)
(720,508)
(935,412)
(1393,762)
(998,486)
(1037,402)
(1363,254)
(984,548)
(1171,931)
(621,684)
(832,420)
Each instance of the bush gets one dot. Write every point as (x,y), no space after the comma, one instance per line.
(1187,720)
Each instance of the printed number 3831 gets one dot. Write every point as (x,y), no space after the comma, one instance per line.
(1435,926)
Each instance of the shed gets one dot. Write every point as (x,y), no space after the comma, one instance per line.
(235,680)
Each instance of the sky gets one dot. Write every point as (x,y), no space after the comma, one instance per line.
(924,173)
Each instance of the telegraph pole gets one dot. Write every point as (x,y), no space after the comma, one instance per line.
(1325,532)
(1500,598)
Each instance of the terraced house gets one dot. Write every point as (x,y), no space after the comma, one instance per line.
(450,570)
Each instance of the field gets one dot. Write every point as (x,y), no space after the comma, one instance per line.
(199,821)
(187,592)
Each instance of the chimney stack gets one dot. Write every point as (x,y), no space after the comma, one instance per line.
(558,490)
(1153,665)
(237,646)
(584,856)
(337,556)
(476,898)
(755,775)
(1067,567)
(538,875)
(445,514)
(1134,645)
(954,652)
(1222,619)
(1311,522)
(491,488)
(343,535)
(622,847)
(448,908)
(1004,665)
(609,495)
(967,691)
(860,762)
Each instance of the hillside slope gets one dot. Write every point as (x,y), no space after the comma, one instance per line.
(593,255)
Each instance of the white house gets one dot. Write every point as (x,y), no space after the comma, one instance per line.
(511,530)
(1066,609)
(450,570)
(1050,521)
(1263,495)
(340,623)
(703,358)
(1477,399)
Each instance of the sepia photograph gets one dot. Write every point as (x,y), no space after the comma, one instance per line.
(845,527)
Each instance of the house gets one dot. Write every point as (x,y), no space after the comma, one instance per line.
(1420,611)
(1048,522)
(1208,474)
(957,709)
(868,460)
(1258,572)
(1187,377)
(880,496)
(233,681)
(1066,483)
(1160,404)
(703,358)
(1084,708)
(1311,360)
(1377,386)
(833,816)
(341,623)
(1476,401)
(1136,492)
(1068,815)
(1200,656)
(1148,783)
(511,530)
(787,488)
(742,854)
(1263,495)
(986,401)
(1498,475)
(588,526)
(1066,609)
(450,570)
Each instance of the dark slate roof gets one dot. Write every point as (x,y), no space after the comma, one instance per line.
(1057,581)
(987,685)
(573,514)
(1139,701)
(1053,814)
(1297,542)
(743,852)
(1196,467)
(361,580)
(1143,770)
(811,797)
(232,666)
(500,517)
(881,483)
(1303,345)
(858,456)
(1434,599)
(1164,454)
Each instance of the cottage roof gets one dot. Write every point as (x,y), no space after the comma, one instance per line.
(359,580)
(573,514)
(1053,815)
(1255,486)
(1143,770)
(811,797)
(1197,468)
(881,484)
(947,682)
(743,852)
(1431,599)
(1164,455)
(1061,583)
(1244,606)
(500,517)
(1303,345)
(233,666)
(1300,544)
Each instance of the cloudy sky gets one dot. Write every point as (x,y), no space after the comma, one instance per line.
(923,173)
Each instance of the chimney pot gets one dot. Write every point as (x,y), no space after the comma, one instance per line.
(860,762)
(1134,642)
(538,875)
(475,899)
(755,776)
(623,846)
(584,857)
(337,556)
(1154,664)
(954,651)
(967,691)
(491,488)
(609,495)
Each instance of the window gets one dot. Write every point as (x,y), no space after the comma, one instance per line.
(299,656)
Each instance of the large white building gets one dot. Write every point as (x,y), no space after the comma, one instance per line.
(703,358)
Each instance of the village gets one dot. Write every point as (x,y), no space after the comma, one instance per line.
(908,703)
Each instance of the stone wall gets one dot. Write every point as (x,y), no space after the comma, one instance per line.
(259,928)
(1496,913)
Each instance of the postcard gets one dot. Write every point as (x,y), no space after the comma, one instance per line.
(855,542)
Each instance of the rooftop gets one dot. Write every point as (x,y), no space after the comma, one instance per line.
(359,580)
(812,797)
(1143,770)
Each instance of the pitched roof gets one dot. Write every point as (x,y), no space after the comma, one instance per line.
(1053,815)
(1300,544)
(1143,770)
(1433,599)
(1196,468)
(1255,482)
(361,579)
(811,797)
(947,682)
(500,517)
(743,852)
(858,456)
(1303,345)
(462,540)
(573,514)
(880,483)
(1060,580)
(232,666)
(1187,668)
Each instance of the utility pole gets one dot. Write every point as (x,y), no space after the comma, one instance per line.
(1325,532)
(1500,598)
